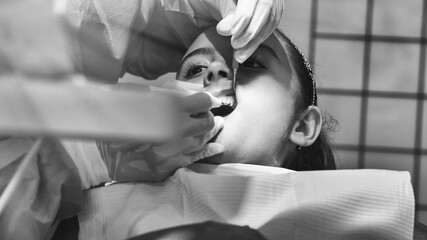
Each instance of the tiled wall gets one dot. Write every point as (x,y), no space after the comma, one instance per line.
(370,60)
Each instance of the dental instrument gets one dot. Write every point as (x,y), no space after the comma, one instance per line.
(235,66)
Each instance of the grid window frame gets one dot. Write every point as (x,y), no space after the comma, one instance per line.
(365,93)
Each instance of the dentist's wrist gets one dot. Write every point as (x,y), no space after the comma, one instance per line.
(91,166)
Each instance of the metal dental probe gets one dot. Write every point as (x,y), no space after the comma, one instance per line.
(235,66)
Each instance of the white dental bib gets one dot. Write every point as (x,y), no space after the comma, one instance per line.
(280,203)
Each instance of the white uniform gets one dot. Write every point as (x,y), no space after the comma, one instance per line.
(146,38)
(49,191)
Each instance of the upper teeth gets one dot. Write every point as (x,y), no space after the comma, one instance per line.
(228,100)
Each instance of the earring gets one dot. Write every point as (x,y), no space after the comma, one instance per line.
(298,148)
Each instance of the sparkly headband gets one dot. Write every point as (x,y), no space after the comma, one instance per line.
(311,74)
(313,79)
(307,66)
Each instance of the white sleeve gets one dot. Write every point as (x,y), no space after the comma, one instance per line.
(88,160)
(146,38)
(100,31)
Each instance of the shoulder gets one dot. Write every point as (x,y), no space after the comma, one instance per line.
(420,231)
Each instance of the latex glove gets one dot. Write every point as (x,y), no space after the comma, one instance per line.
(251,24)
(207,230)
(155,162)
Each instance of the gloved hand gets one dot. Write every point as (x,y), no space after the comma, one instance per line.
(250,24)
(155,162)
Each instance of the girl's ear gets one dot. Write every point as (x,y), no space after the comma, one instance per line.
(307,127)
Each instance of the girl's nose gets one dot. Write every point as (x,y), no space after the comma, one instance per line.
(216,71)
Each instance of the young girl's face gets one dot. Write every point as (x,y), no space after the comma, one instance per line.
(264,97)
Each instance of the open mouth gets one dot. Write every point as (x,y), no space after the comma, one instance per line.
(228,106)
(229,103)
(223,110)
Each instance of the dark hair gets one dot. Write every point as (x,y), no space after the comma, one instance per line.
(318,156)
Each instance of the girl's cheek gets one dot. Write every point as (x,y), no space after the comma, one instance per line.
(247,98)
(243,83)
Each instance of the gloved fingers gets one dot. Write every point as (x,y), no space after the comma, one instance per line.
(257,23)
(148,168)
(156,163)
(196,103)
(208,150)
(198,125)
(245,52)
(219,124)
(171,148)
(225,26)
(178,147)
(243,15)
(136,170)
(196,143)
(187,145)
(264,17)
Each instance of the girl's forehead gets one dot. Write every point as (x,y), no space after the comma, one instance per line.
(210,38)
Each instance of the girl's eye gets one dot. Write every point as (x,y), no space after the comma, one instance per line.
(196,70)
(253,63)
(193,70)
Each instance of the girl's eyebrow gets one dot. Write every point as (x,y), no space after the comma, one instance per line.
(269,49)
(198,51)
